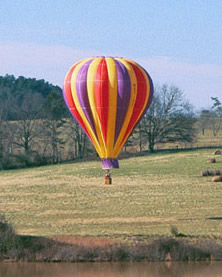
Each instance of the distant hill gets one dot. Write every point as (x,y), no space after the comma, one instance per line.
(22,85)
(14,92)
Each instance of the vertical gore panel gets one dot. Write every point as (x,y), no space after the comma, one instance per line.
(132,101)
(123,96)
(150,96)
(112,75)
(80,110)
(140,99)
(67,94)
(91,77)
(149,86)
(81,88)
(101,87)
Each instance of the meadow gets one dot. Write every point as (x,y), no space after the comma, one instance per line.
(149,195)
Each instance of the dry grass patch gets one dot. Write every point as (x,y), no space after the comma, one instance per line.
(115,220)
(59,212)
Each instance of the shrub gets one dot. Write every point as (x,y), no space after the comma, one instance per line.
(8,238)
(174,231)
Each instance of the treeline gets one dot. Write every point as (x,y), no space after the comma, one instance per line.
(36,128)
(35,125)
(211,118)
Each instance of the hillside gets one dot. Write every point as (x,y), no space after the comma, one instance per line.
(14,92)
(149,194)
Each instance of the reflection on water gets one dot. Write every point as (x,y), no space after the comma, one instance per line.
(200,269)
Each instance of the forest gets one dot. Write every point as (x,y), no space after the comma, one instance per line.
(36,127)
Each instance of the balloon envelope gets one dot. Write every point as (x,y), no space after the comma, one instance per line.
(108,97)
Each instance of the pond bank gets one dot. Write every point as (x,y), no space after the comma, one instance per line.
(100,249)
(68,248)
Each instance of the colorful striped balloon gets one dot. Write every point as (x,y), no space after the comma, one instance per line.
(107,96)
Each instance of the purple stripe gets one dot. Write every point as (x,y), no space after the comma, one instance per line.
(64,96)
(81,88)
(110,163)
(123,96)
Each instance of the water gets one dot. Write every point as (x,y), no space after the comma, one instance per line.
(199,269)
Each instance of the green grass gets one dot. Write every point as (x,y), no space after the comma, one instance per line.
(149,194)
(208,138)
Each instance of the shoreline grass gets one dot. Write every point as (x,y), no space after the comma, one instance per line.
(14,247)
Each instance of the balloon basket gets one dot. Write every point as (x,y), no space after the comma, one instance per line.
(108,179)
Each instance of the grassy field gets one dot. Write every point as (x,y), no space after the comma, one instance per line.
(206,140)
(149,194)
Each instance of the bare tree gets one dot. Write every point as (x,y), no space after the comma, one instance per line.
(77,140)
(53,133)
(3,135)
(26,128)
(169,119)
(204,120)
(6,139)
(216,115)
(53,126)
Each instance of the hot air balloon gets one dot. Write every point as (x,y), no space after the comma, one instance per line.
(108,97)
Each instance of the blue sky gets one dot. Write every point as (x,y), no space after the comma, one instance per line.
(178,42)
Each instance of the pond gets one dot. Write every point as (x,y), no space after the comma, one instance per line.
(164,269)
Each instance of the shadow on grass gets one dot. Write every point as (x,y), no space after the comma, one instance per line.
(15,247)
(215,218)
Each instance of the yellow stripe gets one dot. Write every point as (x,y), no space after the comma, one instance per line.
(112,76)
(147,85)
(132,101)
(145,102)
(91,94)
(78,107)
(84,60)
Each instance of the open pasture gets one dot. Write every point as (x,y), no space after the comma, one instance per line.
(149,194)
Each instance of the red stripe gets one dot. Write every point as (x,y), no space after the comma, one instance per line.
(70,102)
(101,88)
(140,99)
